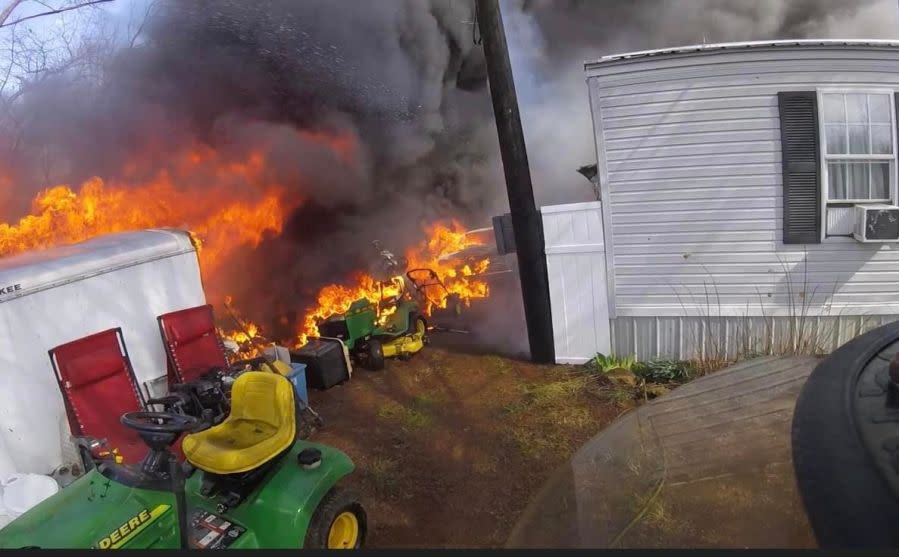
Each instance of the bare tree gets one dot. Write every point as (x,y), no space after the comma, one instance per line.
(36,56)
(136,27)
(4,15)
(77,48)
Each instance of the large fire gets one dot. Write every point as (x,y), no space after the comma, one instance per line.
(62,214)
(442,239)
(228,206)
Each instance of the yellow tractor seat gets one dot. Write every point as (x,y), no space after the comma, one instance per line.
(261,425)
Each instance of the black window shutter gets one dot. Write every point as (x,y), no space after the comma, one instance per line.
(801,170)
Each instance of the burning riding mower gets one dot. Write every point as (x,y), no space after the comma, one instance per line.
(395,324)
(247,479)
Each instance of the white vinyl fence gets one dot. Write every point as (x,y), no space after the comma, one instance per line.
(576,264)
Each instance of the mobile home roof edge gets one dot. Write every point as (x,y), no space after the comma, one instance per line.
(703,48)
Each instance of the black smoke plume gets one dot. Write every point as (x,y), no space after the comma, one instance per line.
(403,79)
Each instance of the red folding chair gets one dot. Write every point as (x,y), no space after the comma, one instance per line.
(194,348)
(191,343)
(98,386)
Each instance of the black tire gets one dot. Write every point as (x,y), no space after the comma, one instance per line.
(335,502)
(375,356)
(848,500)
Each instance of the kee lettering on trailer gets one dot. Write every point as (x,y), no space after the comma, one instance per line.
(10,289)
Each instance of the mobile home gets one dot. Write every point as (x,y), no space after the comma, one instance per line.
(748,202)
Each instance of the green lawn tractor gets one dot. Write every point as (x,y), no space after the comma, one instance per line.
(393,326)
(247,482)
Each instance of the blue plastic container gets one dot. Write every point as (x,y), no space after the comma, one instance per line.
(298,378)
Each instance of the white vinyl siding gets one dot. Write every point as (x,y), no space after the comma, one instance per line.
(690,163)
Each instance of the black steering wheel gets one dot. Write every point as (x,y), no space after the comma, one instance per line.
(158,422)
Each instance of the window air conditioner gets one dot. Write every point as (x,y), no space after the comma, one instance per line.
(876,222)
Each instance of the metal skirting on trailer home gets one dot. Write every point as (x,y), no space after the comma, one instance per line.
(732,337)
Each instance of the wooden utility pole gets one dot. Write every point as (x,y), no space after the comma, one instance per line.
(526,221)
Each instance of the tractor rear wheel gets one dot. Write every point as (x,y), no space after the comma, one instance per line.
(339,522)
(375,356)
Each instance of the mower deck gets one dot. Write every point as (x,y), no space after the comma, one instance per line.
(404,346)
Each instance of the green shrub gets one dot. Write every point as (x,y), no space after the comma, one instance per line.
(604,364)
(663,371)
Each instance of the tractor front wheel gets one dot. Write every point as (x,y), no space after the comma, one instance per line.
(375,355)
(339,522)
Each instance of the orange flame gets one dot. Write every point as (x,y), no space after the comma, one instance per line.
(229,206)
(63,215)
(442,240)
(246,334)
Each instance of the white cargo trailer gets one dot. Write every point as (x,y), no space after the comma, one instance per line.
(64,293)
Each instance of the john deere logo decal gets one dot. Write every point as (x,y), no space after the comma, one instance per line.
(121,535)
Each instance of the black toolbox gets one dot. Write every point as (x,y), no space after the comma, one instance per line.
(326,365)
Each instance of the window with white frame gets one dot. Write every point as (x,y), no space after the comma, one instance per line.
(859,150)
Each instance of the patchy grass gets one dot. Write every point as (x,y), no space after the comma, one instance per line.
(481,435)
(547,431)
(408,418)
(532,442)
(541,420)
(497,364)
(515,407)
(573,417)
(426,401)
(656,514)
(384,475)
(621,395)
(557,392)
(546,396)
(709,365)
(658,520)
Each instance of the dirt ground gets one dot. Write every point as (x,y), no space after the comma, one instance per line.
(449,447)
